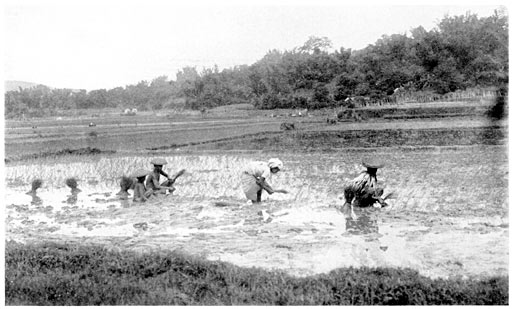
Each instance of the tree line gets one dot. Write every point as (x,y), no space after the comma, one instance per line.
(461,52)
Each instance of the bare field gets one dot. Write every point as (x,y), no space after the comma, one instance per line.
(163,134)
(129,138)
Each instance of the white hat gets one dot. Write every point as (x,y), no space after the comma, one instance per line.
(275,162)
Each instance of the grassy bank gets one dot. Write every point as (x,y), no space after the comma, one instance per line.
(65,274)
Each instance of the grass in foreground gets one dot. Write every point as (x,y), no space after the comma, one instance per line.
(64,274)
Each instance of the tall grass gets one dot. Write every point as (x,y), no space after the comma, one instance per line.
(65,274)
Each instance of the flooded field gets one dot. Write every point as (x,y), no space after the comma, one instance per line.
(449,216)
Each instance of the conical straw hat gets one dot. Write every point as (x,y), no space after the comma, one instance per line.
(372,164)
(139,173)
(158,161)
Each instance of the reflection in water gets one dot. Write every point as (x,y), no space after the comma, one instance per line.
(123,195)
(36,200)
(125,203)
(75,191)
(72,199)
(360,221)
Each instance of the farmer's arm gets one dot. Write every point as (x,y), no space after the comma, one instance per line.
(164,174)
(264,185)
(148,194)
(143,194)
(267,187)
(172,180)
(262,181)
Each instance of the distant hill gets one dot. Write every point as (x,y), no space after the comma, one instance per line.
(11,85)
(15,85)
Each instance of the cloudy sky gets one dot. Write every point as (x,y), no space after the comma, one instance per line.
(91,45)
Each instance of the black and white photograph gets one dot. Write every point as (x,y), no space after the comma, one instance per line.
(255,153)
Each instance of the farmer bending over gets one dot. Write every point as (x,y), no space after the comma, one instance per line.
(127,183)
(362,191)
(153,180)
(140,194)
(255,177)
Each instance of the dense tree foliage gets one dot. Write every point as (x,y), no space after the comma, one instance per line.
(461,52)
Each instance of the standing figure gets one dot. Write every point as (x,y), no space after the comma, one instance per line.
(362,191)
(153,179)
(140,193)
(255,177)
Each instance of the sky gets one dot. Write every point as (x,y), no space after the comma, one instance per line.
(107,44)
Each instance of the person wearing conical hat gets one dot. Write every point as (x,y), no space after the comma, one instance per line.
(153,179)
(256,176)
(362,191)
(140,193)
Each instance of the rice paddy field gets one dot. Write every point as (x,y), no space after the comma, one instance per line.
(448,218)
(443,225)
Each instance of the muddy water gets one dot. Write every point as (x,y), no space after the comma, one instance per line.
(303,233)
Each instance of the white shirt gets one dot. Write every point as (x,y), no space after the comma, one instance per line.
(258,169)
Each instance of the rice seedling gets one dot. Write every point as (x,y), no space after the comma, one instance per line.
(417,178)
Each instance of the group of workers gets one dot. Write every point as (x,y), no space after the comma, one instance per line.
(362,191)
(146,183)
